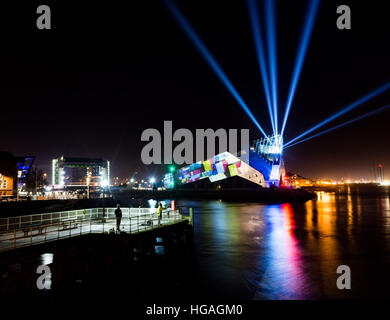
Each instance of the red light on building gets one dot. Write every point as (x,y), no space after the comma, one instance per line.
(285,182)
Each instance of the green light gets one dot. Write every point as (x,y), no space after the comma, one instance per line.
(172,168)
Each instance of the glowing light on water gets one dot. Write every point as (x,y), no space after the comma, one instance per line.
(47,258)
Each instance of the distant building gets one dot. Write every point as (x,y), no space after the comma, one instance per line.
(80,172)
(295,180)
(13,173)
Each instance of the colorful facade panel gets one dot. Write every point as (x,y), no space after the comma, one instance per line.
(219,167)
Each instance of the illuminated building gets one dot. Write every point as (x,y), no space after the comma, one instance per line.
(216,170)
(76,172)
(169,180)
(296,180)
(262,167)
(7,174)
(13,173)
(325,182)
(24,165)
(265,156)
(6,185)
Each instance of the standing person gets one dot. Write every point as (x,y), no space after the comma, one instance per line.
(159,212)
(118,215)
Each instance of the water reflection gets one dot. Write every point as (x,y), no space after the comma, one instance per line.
(283,277)
(386,213)
(46,259)
(257,251)
(293,251)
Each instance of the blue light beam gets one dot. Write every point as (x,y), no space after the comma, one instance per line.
(190,32)
(301,54)
(343,111)
(259,45)
(271,41)
(341,125)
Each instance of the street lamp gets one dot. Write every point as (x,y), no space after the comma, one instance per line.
(88,183)
(152,181)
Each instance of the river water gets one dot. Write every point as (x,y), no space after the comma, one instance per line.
(254,251)
(246,251)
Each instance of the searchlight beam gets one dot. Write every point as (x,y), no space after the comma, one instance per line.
(301,54)
(259,45)
(342,125)
(357,103)
(190,32)
(272,60)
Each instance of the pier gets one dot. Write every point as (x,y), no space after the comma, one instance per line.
(30,230)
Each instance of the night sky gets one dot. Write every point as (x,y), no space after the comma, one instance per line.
(105,73)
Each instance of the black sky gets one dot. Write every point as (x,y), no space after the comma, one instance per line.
(106,72)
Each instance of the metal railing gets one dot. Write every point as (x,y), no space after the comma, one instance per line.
(21,231)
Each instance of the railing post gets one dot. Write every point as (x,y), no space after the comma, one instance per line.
(45,232)
(81,226)
(30,236)
(58,231)
(14,238)
(192,217)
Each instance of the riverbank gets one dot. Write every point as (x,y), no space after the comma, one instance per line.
(266,196)
(135,198)
(367,189)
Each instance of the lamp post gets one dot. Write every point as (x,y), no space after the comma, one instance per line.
(104,209)
(88,183)
(104,184)
(36,181)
